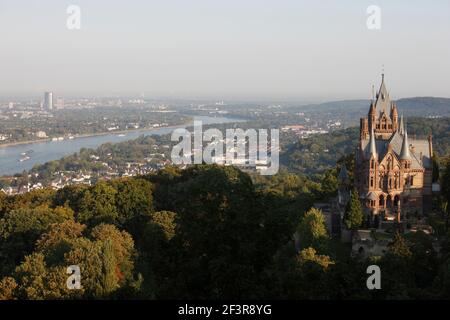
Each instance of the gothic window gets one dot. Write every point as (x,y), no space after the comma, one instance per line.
(389,201)
(390,165)
(381,202)
(397,201)
(371,182)
(372,164)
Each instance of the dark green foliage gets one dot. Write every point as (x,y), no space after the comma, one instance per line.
(201,233)
(312,231)
(98,204)
(353,212)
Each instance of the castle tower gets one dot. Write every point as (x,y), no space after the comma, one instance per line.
(393,173)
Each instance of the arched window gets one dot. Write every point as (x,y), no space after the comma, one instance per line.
(381,201)
(371,182)
(389,201)
(397,201)
(390,164)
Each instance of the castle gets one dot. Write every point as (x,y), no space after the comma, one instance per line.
(393,173)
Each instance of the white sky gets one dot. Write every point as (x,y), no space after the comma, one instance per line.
(233,49)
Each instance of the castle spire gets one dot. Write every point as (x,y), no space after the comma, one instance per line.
(372,144)
(401,128)
(405,154)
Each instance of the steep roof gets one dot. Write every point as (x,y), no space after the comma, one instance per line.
(371,196)
(420,147)
(405,154)
(401,127)
(383,102)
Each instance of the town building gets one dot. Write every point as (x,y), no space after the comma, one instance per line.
(48,101)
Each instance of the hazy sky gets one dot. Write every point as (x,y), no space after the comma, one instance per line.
(230,49)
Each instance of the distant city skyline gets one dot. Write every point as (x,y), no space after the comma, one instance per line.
(289,50)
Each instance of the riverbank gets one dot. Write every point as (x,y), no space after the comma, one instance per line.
(45,151)
(88,135)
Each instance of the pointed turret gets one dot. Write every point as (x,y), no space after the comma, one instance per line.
(383,101)
(372,110)
(394,116)
(394,112)
(372,145)
(405,154)
(401,127)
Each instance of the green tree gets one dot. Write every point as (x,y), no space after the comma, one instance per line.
(309,255)
(399,280)
(312,231)
(20,228)
(219,235)
(59,240)
(109,278)
(330,183)
(399,248)
(134,202)
(37,281)
(122,245)
(353,217)
(99,205)
(7,288)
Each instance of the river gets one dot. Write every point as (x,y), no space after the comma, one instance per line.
(42,152)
